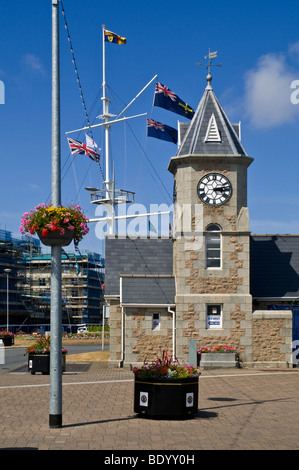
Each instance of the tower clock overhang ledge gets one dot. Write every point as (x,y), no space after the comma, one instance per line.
(217,159)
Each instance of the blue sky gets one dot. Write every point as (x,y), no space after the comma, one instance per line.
(258,47)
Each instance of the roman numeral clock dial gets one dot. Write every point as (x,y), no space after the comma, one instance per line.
(214,189)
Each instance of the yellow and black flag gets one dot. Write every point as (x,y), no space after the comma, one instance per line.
(112,37)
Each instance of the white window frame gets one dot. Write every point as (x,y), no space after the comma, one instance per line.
(207,235)
(209,316)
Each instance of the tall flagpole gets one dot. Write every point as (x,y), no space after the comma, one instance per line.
(106,117)
(55,411)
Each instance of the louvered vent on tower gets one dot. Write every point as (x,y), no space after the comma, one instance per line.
(212,134)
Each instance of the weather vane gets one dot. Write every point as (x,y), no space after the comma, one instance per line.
(210,56)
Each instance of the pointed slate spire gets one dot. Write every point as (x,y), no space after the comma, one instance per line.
(210,131)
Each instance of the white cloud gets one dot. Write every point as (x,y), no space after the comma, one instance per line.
(268,90)
(34,63)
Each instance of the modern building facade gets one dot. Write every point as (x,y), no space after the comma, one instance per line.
(82,287)
(29,284)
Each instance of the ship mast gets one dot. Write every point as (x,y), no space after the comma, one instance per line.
(110,196)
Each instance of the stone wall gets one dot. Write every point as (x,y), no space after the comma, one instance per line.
(140,341)
(115,332)
(236,327)
(272,338)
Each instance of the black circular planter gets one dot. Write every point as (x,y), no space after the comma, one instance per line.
(8,340)
(166,396)
(41,363)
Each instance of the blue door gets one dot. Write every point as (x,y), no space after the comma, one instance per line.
(295,334)
(295,329)
(296,323)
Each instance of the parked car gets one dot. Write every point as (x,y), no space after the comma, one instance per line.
(82,329)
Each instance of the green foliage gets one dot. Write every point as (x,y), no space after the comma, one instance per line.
(95,328)
(42,346)
(165,368)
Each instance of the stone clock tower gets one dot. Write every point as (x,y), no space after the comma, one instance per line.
(211,232)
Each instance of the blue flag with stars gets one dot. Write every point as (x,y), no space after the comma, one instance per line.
(167,99)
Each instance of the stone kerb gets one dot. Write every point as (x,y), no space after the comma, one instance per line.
(218,361)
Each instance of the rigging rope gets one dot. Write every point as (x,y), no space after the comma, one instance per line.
(78,81)
(143,151)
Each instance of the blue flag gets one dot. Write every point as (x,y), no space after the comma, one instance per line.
(161,131)
(165,98)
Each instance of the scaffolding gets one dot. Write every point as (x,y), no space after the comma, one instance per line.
(82,287)
(30,283)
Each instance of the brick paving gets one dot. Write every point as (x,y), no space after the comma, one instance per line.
(239,409)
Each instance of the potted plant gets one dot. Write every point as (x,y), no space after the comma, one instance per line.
(39,356)
(55,225)
(166,387)
(217,357)
(7,337)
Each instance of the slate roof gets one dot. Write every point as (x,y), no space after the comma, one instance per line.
(145,266)
(274,266)
(193,134)
(148,261)
(141,290)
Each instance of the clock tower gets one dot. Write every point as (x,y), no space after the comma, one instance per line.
(211,232)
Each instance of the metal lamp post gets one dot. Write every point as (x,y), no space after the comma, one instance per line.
(7,272)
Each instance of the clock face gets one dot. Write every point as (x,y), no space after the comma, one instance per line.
(214,189)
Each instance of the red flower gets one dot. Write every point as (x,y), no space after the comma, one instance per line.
(53,228)
(44,232)
(32,231)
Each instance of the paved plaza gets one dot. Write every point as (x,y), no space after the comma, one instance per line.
(238,409)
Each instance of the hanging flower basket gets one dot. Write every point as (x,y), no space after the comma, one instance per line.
(55,226)
(56,238)
(166,388)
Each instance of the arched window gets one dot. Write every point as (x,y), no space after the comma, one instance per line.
(213,246)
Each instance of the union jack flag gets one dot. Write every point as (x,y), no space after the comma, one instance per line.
(155,124)
(161,131)
(82,149)
(166,91)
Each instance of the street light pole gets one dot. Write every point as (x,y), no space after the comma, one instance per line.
(55,411)
(7,271)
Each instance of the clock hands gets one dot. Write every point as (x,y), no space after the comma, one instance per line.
(221,188)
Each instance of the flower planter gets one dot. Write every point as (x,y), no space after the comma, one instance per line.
(8,340)
(216,360)
(56,239)
(166,396)
(41,363)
